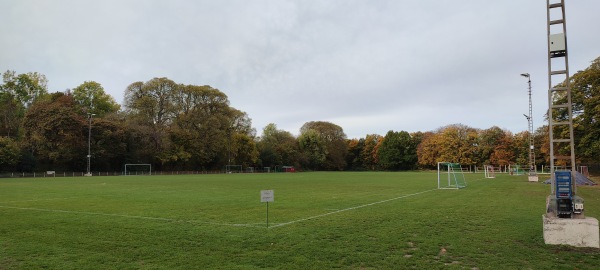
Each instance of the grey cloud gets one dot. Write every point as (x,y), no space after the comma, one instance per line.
(368,66)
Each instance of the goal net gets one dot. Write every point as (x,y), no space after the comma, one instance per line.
(584,170)
(450,176)
(138,169)
(489,171)
(516,169)
(233,169)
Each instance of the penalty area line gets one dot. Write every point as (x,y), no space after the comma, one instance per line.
(349,208)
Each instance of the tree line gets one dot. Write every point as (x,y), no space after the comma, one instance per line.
(189,127)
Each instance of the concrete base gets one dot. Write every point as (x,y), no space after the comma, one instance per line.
(533,178)
(573,232)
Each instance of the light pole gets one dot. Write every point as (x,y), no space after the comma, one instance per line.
(89,155)
(532,170)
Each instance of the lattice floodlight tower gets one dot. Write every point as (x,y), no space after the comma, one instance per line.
(564,221)
(450,176)
(532,175)
(562,146)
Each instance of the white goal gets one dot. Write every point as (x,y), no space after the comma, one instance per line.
(489,171)
(515,169)
(233,169)
(450,176)
(138,169)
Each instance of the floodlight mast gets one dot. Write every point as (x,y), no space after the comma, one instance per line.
(563,202)
(89,155)
(532,170)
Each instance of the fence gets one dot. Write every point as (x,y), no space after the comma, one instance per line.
(79,174)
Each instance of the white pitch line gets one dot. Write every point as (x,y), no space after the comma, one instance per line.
(130,216)
(37,200)
(213,223)
(85,213)
(348,209)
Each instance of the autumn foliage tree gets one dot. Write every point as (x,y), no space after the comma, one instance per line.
(55,132)
(585,87)
(353,158)
(188,126)
(192,127)
(369,153)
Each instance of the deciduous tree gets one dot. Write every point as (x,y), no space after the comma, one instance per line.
(369,154)
(398,151)
(277,147)
(92,98)
(353,158)
(25,88)
(314,149)
(9,154)
(55,132)
(11,114)
(428,150)
(334,140)
(585,87)
(150,106)
(489,140)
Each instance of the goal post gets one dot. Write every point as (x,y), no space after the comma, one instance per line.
(515,169)
(138,169)
(450,176)
(489,171)
(233,169)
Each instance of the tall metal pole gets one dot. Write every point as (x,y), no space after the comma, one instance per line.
(89,155)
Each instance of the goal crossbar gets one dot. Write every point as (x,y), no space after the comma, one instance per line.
(233,168)
(132,165)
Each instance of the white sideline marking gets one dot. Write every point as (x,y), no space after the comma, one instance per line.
(36,200)
(130,216)
(348,209)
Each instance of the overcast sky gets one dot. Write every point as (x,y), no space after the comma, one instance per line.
(369,66)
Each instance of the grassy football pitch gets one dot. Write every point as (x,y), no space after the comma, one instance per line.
(320,220)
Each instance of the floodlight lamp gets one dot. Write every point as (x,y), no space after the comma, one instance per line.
(526,75)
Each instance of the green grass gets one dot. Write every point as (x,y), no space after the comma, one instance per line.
(368,220)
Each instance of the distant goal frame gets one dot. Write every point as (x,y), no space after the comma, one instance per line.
(138,164)
(233,168)
(490,172)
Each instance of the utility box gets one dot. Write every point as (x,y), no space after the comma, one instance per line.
(558,45)
(564,188)
(564,193)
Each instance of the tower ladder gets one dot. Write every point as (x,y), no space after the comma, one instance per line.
(560,112)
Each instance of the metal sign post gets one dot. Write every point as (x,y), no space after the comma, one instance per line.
(267,196)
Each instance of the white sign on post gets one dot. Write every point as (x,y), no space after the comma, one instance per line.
(267,196)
